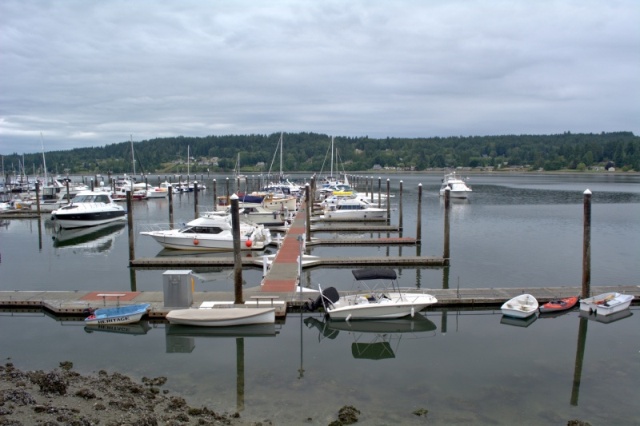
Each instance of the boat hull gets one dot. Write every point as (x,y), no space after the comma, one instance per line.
(89,218)
(606,303)
(522,306)
(178,241)
(222,317)
(117,315)
(358,307)
(564,304)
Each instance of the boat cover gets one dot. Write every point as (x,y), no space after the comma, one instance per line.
(330,295)
(374,274)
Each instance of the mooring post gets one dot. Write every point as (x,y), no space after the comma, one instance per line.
(379,191)
(132,253)
(38,197)
(92,184)
(195,199)
(170,207)
(419,218)
(586,247)
(227,194)
(68,197)
(400,209)
(371,189)
(215,198)
(388,202)
(312,197)
(237,259)
(307,212)
(447,208)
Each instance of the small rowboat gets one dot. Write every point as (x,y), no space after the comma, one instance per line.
(118,315)
(556,305)
(522,306)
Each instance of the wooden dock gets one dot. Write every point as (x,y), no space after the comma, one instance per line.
(284,268)
(75,303)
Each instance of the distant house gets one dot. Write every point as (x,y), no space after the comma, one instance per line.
(610,167)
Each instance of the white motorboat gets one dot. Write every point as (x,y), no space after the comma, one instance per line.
(88,208)
(353,209)
(521,306)
(259,215)
(52,198)
(222,317)
(212,232)
(456,185)
(370,303)
(606,303)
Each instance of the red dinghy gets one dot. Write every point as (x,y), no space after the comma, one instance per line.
(559,305)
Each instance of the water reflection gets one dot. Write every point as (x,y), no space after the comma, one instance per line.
(377,339)
(137,329)
(94,239)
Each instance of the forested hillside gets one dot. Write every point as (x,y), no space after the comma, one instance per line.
(311,152)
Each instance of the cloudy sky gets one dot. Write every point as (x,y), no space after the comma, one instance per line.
(90,73)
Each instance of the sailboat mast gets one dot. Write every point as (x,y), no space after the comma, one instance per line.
(133,160)
(281,177)
(331,176)
(44,161)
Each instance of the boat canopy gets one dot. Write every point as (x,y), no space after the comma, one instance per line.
(374,274)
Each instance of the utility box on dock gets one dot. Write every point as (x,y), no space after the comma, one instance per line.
(178,289)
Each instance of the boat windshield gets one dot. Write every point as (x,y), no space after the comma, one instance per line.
(91,198)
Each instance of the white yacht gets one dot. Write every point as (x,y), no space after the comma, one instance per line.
(457,187)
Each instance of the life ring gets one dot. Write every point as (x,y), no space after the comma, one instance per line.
(196,241)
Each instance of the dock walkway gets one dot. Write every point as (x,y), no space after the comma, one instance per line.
(74,303)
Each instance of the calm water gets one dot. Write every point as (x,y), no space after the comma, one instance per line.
(464,367)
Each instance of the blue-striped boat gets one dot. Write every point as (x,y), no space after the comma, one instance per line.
(117,315)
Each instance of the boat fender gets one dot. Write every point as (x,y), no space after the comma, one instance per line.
(248,243)
(412,311)
(196,241)
(348,318)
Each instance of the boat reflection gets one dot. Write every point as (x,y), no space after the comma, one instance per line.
(181,338)
(607,319)
(136,329)
(374,340)
(94,239)
(518,322)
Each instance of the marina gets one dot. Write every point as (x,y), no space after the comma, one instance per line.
(516,235)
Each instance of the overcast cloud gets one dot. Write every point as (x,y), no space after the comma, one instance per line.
(90,73)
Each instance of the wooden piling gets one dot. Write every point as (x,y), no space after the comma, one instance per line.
(237,258)
(307,207)
(379,191)
(132,252)
(215,197)
(38,197)
(170,208)
(419,218)
(388,202)
(227,194)
(447,207)
(586,247)
(195,199)
(400,209)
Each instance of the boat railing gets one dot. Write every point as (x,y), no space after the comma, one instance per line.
(149,227)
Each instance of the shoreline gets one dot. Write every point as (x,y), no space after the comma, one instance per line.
(63,396)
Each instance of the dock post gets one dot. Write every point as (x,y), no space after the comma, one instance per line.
(447,208)
(170,207)
(195,199)
(215,198)
(38,197)
(227,194)
(237,260)
(68,197)
(586,247)
(307,212)
(419,217)
(388,202)
(371,189)
(400,209)
(379,191)
(92,184)
(132,253)
(313,194)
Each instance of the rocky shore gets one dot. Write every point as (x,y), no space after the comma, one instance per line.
(64,397)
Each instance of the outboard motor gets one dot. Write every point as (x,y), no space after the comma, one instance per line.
(330,295)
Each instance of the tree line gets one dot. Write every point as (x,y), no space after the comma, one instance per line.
(311,152)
